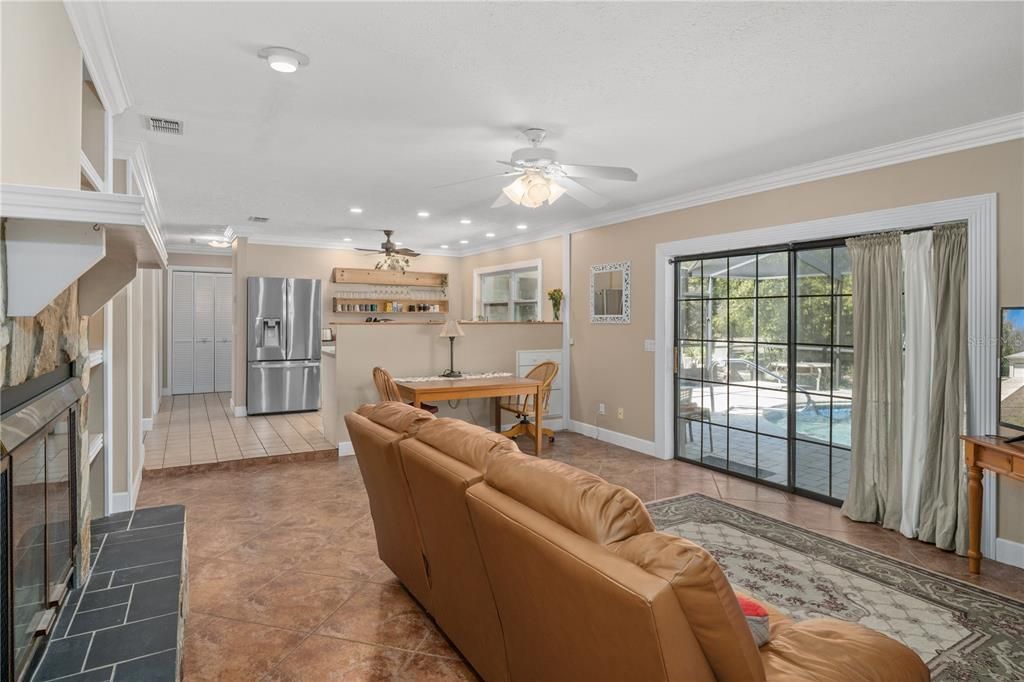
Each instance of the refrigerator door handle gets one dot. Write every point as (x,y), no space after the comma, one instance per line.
(278,365)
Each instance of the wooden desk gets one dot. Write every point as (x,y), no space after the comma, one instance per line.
(419,392)
(994,454)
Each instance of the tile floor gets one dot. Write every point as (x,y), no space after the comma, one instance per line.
(286,585)
(201,429)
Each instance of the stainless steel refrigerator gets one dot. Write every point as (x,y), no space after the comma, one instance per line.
(283,373)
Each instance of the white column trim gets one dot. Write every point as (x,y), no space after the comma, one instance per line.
(566,327)
(980,213)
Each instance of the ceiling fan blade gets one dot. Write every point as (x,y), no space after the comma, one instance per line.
(407,252)
(369,250)
(482,177)
(603,172)
(581,193)
(508,163)
(502,200)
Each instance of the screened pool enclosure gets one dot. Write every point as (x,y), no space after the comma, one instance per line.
(764,365)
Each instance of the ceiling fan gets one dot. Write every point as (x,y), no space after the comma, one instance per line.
(542,178)
(395,257)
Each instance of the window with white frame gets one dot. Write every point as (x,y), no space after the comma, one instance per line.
(508,293)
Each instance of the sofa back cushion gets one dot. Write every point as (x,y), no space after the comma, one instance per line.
(571,609)
(445,459)
(705,596)
(472,445)
(398,417)
(582,502)
(399,543)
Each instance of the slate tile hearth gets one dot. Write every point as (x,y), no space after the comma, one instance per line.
(124,625)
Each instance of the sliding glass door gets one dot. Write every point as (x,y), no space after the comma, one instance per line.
(764,364)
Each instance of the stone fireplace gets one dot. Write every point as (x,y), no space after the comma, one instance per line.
(44,494)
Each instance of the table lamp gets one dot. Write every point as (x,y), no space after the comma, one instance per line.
(451,329)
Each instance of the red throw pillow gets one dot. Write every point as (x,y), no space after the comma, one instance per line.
(757,618)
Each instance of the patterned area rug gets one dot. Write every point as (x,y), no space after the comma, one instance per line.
(961,631)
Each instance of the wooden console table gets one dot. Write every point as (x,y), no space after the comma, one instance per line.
(996,455)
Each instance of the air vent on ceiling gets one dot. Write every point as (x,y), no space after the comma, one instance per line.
(258,219)
(166,125)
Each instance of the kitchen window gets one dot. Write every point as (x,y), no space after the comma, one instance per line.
(508,293)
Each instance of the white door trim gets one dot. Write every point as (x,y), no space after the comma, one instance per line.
(980,213)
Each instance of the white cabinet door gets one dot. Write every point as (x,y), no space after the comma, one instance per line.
(205,348)
(182,337)
(222,332)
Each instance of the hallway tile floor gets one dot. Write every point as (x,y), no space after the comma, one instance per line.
(201,429)
(286,585)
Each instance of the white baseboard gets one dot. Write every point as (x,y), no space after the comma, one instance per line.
(147,423)
(238,410)
(645,447)
(345,448)
(120,502)
(1009,552)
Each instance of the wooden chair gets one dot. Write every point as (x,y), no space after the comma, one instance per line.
(388,389)
(523,405)
(691,412)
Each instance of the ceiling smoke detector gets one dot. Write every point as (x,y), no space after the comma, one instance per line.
(283,59)
(165,125)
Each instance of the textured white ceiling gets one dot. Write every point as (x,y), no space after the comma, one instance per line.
(399,98)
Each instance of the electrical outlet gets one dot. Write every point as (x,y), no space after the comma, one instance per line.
(622,413)
(600,408)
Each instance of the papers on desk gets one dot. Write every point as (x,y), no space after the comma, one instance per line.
(465,375)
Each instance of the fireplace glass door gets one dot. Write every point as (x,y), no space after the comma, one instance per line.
(42,531)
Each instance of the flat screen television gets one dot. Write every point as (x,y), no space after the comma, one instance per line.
(1011,369)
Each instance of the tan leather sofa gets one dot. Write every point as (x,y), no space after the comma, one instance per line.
(537,570)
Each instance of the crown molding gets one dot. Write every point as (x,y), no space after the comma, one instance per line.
(197,249)
(30,202)
(984,133)
(89,23)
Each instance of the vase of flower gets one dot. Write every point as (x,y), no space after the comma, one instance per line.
(555,296)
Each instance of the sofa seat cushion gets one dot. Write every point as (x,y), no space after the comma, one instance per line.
(705,597)
(582,502)
(828,650)
(398,417)
(470,444)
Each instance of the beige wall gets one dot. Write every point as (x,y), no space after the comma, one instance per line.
(609,363)
(94,129)
(417,350)
(255,260)
(549,251)
(40,96)
(193,260)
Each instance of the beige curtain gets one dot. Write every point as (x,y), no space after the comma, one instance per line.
(941,518)
(875,461)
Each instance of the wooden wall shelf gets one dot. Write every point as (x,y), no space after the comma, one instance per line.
(389,277)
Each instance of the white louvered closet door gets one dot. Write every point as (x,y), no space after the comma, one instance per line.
(182,336)
(222,332)
(205,353)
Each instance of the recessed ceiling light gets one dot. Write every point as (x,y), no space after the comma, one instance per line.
(347,239)
(489,234)
(423,214)
(463,241)
(520,227)
(283,59)
(465,221)
(444,246)
(355,209)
